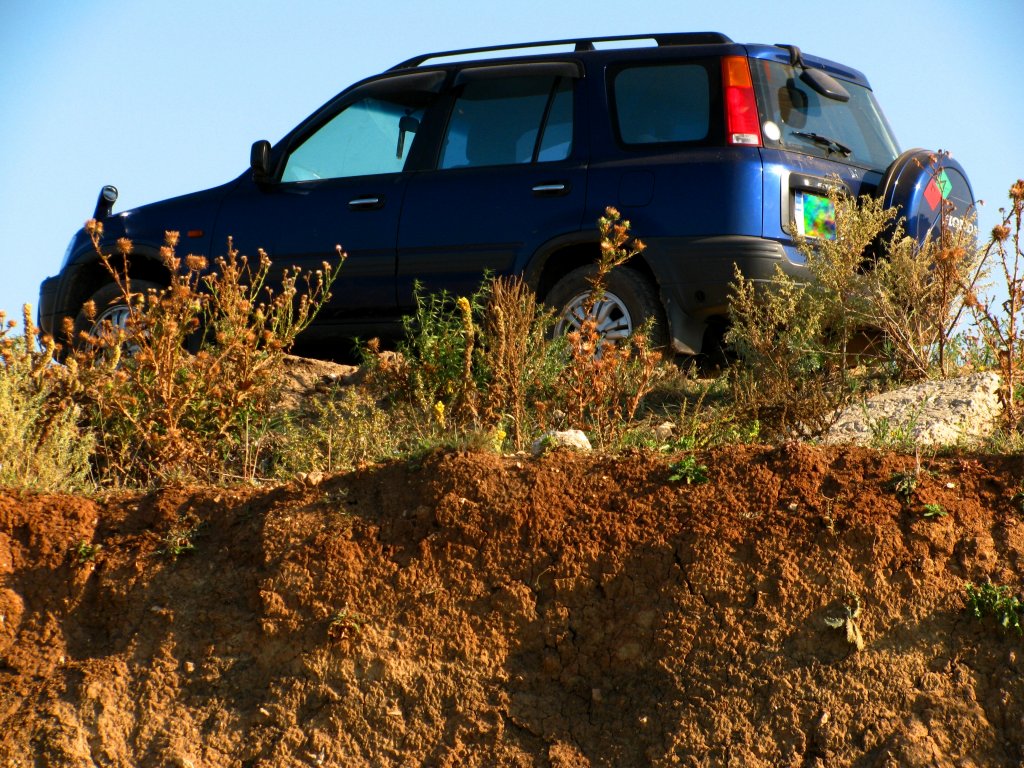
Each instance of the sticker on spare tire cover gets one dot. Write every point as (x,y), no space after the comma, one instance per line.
(922,185)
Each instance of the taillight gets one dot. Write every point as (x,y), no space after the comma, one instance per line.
(742,125)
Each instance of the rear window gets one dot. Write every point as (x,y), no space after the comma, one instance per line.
(661,104)
(799,119)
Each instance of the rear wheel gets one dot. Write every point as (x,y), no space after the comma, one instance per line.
(630,300)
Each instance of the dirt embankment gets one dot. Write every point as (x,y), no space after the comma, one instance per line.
(485,611)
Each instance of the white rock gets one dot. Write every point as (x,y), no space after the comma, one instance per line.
(664,431)
(572,439)
(932,413)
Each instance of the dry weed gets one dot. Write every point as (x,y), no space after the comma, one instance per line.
(158,410)
(1000,324)
(41,445)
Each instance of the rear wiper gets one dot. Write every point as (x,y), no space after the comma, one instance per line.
(824,141)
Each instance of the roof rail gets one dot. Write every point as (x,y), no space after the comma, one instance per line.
(581,43)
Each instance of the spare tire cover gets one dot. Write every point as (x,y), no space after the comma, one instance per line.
(921,184)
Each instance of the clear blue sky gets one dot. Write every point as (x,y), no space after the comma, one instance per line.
(162,98)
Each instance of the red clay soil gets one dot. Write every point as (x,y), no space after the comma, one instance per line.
(474,610)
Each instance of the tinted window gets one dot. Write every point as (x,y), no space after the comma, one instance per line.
(557,139)
(791,111)
(658,104)
(368,137)
(498,121)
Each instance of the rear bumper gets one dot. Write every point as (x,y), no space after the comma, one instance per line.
(694,275)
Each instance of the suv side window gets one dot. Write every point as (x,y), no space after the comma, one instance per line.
(367,137)
(663,103)
(510,120)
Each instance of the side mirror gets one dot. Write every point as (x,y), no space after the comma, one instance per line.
(259,160)
(825,84)
(105,203)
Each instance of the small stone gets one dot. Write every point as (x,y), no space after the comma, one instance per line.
(573,439)
(665,430)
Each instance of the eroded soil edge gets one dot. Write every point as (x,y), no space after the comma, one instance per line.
(478,610)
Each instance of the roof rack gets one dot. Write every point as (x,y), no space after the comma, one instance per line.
(581,44)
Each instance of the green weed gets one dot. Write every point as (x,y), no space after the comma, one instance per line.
(42,446)
(486,364)
(337,430)
(995,600)
(889,435)
(85,552)
(345,625)
(903,484)
(179,540)
(688,470)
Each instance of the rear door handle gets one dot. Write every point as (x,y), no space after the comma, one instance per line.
(368,203)
(552,189)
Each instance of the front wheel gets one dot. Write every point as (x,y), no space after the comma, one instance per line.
(630,300)
(111,307)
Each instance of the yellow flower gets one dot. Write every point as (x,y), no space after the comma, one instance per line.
(439,412)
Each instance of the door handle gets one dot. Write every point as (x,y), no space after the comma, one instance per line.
(368,203)
(552,189)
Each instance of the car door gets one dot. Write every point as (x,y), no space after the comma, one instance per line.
(341,180)
(510,175)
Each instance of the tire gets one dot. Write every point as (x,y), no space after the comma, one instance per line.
(910,184)
(630,300)
(110,306)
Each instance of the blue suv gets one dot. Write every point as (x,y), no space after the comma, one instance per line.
(501,159)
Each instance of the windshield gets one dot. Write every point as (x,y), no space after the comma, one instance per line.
(799,119)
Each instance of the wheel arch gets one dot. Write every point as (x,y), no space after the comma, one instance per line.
(563,256)
(90,275)
(685,333)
